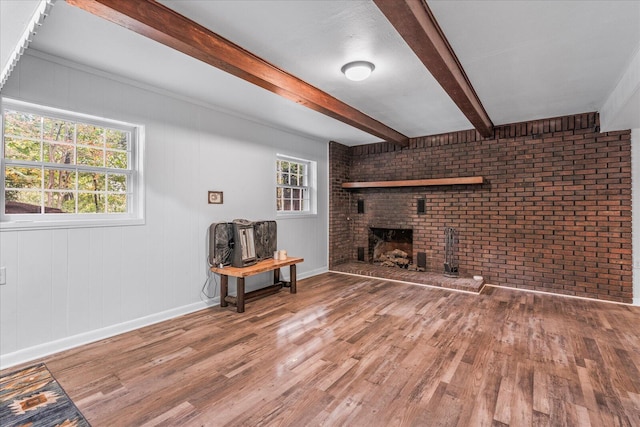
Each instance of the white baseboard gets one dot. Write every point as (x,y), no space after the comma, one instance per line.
(284,273)
(311,273)
(36,352)
(42,350)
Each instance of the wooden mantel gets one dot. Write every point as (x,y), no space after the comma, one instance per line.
(416,182)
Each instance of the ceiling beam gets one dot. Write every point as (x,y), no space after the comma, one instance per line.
(159,23)
(418,27)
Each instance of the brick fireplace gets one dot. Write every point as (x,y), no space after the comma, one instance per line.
(553,213)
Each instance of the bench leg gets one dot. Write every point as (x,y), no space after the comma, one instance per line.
(276,276)
(240,292)
(224,290)
(292,274)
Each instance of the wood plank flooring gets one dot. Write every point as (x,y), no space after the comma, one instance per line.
(353,351)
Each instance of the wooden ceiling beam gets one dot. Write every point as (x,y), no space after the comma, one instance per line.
(159,23)
(418,27)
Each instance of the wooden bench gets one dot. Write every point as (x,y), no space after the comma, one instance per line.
(261,267)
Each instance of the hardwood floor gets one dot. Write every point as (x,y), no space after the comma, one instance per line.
(353,351)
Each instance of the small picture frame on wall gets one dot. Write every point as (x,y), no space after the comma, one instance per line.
(215,197)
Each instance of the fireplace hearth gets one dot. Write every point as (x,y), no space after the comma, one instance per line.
(391,247)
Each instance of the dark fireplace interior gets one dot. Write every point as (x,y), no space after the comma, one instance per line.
(391,247)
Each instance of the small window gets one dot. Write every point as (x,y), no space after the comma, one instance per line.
(295,186)
(63,166)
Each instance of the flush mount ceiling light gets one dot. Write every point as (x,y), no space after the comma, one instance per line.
(358,70)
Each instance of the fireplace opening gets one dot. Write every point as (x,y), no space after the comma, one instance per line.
(391,247)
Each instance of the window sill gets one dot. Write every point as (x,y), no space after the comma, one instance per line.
(21,225)
(296,215)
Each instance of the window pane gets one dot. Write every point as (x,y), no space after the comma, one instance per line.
(22,177)
(59,202)
(23,202)
(22,149)
(57,130)
(89,135)
(56,179)
(90,156)
(58,153)
(22,124)
(90,203)
(117,203)
(279,203)
(117,159)
(290,177)
(59,165)
(117,183)
(92,181)
(117,139)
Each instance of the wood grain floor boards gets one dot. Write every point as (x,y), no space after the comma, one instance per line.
(354,351)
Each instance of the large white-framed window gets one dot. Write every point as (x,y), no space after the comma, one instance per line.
(67,169)
(296,183)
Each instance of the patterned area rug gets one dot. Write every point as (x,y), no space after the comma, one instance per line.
(32,397)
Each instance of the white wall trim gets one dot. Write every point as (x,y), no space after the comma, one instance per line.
(284,273)
(614,114)
(36,352)
(316,272)
(41,11)
(46,349)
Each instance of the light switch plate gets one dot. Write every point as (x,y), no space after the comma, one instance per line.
(3,275)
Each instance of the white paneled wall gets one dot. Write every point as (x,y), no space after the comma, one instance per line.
(70,286)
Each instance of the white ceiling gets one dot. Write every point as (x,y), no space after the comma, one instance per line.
(525,59)
(536,59)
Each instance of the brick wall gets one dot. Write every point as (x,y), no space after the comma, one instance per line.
(554,213)
(340,235)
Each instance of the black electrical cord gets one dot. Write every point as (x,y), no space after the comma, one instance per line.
(206,282)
